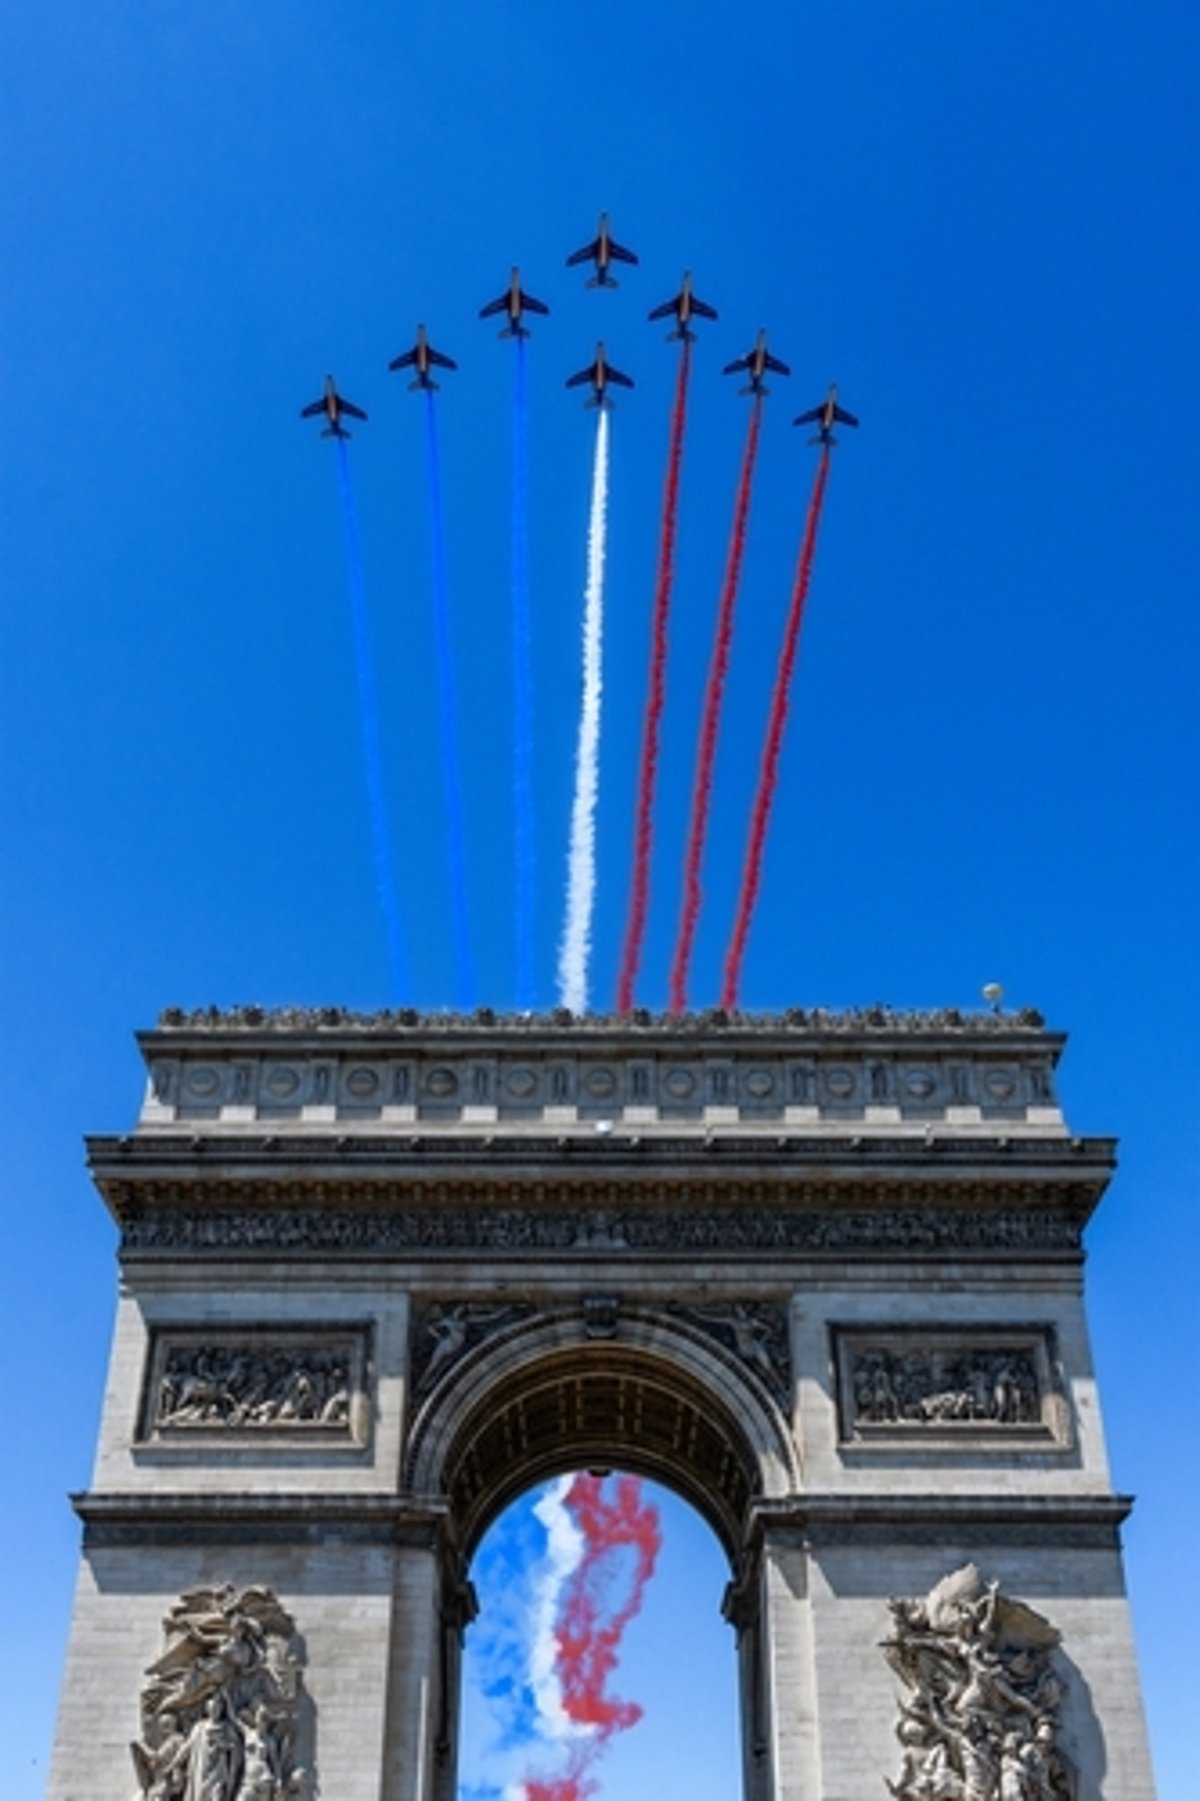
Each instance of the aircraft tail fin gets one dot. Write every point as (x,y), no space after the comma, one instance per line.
(422,381)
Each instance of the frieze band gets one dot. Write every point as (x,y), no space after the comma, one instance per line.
(917,1231)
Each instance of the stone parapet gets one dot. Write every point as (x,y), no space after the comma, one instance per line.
(870,1070)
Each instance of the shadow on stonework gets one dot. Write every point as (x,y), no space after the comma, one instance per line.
(1082,1737)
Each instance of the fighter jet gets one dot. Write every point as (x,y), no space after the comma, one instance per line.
(686,306)
(825,417)
(333,406)
(513,301)
(602,251)
(422,357)
(599,373)
(757,362)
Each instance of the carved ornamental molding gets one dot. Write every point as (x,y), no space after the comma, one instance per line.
(224,1706)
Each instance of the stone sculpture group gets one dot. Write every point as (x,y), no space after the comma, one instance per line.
(215,1385)
(220,1706)
(981,1721)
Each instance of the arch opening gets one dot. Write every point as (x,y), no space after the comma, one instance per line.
(598,1663)
(658,1401)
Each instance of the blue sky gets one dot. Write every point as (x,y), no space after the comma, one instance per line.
(980,221)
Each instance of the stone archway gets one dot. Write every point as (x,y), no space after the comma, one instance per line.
(636,1389)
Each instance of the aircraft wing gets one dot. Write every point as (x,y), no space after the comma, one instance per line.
(622,381)
(493,307)
(443,362)
(404,361)
(773,362)
(665,310)
(310,412)
(738,363)
(534,306)
(577,381)
(348,406)
(703,309)
(811,417)
(619,254)
(586,255)
(846,418)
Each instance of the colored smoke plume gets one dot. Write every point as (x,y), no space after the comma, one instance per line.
(524,843)
(368,706)
(621,1538)
(452,784)
(643,831)
(711,719)
(575,949)
(769,770)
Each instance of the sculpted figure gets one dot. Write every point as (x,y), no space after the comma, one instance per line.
(219,1705)
(214,1755)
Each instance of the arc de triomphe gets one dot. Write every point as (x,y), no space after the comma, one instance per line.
(822,1274)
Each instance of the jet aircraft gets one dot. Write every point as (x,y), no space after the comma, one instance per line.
(602,251)
(333,406)
(825,417)
(514,301)
(686,306)
(422,357)
(599,373)
(756,362)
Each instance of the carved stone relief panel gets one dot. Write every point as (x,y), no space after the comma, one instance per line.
(255,1382)
(979,1720)
(993,1385)
(224,1713)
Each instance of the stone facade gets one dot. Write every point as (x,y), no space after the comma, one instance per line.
(821,1273)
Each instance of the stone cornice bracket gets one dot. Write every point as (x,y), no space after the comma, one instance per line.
(222,1518)
(1054,1519)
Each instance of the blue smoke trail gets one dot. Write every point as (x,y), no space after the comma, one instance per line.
(449,722)
(385,879)
(522,687)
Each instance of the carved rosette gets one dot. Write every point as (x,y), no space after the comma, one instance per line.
(980,1719)
(223,1705)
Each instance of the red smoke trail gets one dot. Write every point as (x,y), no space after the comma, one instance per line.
(769,770)
(639,895)
(714,693)
(589,1633)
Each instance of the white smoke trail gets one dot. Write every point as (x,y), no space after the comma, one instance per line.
(564,1548)
(576,947)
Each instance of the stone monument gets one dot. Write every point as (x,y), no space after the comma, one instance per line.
(820,1273)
